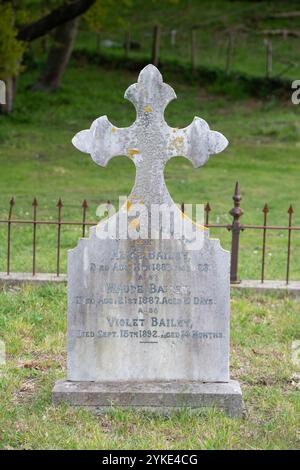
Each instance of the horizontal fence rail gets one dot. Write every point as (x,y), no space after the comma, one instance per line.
(235,227)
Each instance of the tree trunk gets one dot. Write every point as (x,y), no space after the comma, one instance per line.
(193,48)
(155,45)
(9,93)
(59,56)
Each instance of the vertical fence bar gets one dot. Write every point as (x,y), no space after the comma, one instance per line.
(269,58)
(229,53)
(263,260)
(207,210)
(34,205)
(84,208)
(235,228)
(156,45)
(59,206)
(290,212)
(127,43)
(11,204)
(193,48)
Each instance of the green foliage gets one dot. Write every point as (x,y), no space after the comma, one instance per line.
(11,50)
(108,15)
(33,327)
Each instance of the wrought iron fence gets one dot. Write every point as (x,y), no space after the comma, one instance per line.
(235,227)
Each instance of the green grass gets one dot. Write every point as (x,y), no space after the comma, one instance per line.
(214,18)
(32,325)
(38,159)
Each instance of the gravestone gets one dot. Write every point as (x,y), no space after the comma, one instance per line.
(148,301)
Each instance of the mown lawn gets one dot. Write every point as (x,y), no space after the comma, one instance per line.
(33,326)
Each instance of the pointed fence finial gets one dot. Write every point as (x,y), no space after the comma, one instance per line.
(237,211)
(207,210)
(59,203)
(265,209)
(11,205)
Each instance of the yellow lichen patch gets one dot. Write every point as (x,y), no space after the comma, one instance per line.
(113,129)
(177,143)
(201,227)
(129,204)
(134,223)
(147,109)
(175,129)
(132,152)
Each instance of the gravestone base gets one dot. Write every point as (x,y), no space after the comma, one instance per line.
(161,397)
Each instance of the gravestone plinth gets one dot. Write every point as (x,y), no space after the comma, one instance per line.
(148,317)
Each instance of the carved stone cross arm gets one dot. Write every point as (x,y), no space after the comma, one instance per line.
(149,141)
(102,141)
(196,142)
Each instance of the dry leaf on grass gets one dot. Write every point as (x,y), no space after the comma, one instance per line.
(27,387)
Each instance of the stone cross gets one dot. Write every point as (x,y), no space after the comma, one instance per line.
(149,141)
(148,318)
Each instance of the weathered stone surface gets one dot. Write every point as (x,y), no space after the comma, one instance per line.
(162,397)
(145,311)
(19,279)
(149,142)
(153,311)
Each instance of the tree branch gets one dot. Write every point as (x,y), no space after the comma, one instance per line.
(57,17)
